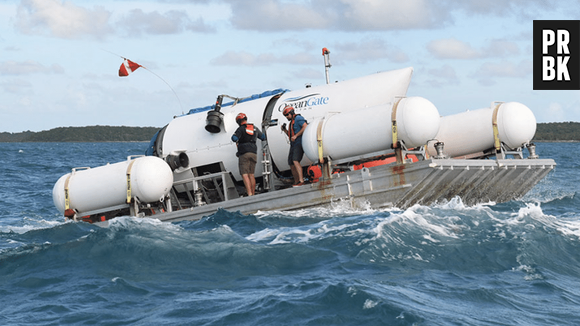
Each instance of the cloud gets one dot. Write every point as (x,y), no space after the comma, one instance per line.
(61,19)
(377,15)
(488,73)
(348,15)
(69,21)
(272,15)
(11,49)
(555,112)
(445,75)
(388,15)
(370,50)
(452,48)
(28,67)
(499,48)
(16,86)
(137,22)
(446,72)
(361,52)
(243,58)
(505,69)
(308,74)
(521,9)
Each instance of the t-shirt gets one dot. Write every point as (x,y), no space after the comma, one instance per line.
(299,121)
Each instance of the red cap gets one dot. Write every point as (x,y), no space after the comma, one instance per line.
(240,117)
(288,109)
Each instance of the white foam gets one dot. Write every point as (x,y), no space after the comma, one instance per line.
(369,304)
(422,218)
(336,208)
(128,222)
(569,228)
(35,225)
(306,233)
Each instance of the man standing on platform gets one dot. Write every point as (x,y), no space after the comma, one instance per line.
(297,126)
(245,137)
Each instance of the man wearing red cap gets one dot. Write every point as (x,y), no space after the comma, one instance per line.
(297,126)
(245,137)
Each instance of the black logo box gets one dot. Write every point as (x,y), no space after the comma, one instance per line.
(573,63)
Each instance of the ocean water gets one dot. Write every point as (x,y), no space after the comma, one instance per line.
(515,263)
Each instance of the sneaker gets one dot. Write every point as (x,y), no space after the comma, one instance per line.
(299,184)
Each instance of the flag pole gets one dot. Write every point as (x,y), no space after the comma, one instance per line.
(156,75)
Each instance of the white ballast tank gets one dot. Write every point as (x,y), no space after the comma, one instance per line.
(369,130)
(150,178)
(472,131)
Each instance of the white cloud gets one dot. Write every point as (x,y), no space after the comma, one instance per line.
(349,15)
(137,22)
(505,69)
(361,52)
(243,58)
(555,112)
(500,47)
(16,86)
(272,15)
(61,19)
(445,72)
(308,74)
(489,73)
(452,48)
(442,76)
(64,19)
(28,67)
(368,15)
(521,9)
(370,50)
(390,14)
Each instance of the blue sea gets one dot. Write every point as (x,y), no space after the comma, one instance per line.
(515,263)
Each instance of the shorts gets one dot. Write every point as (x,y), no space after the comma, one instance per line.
(247,163)
(296,153)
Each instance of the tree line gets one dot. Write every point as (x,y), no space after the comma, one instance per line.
(558,131)
(553,131)
(83,134)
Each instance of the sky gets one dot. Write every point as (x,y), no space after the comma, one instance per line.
(59,60)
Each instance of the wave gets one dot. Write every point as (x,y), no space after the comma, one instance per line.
(312,266)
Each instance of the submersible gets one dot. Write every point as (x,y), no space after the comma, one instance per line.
(366,143)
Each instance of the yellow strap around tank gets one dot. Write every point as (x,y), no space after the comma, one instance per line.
(66,195)
(319,141)
(394,130)
(129,181)
(496,140)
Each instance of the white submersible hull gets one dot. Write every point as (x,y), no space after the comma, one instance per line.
(366,145)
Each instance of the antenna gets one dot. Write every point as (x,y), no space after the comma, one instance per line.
(327,65)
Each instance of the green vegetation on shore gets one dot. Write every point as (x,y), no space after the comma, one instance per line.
(83,134)
(553,131)
(558,131)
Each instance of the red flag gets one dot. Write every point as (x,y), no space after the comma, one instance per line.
(127,67)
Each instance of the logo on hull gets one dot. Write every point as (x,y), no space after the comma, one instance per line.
(305,102)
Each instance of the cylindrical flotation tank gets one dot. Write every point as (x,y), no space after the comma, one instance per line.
(106,186)
(472,131)
(368,130)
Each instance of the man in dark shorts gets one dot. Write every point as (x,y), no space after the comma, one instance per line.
(297,126)
(245,137)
